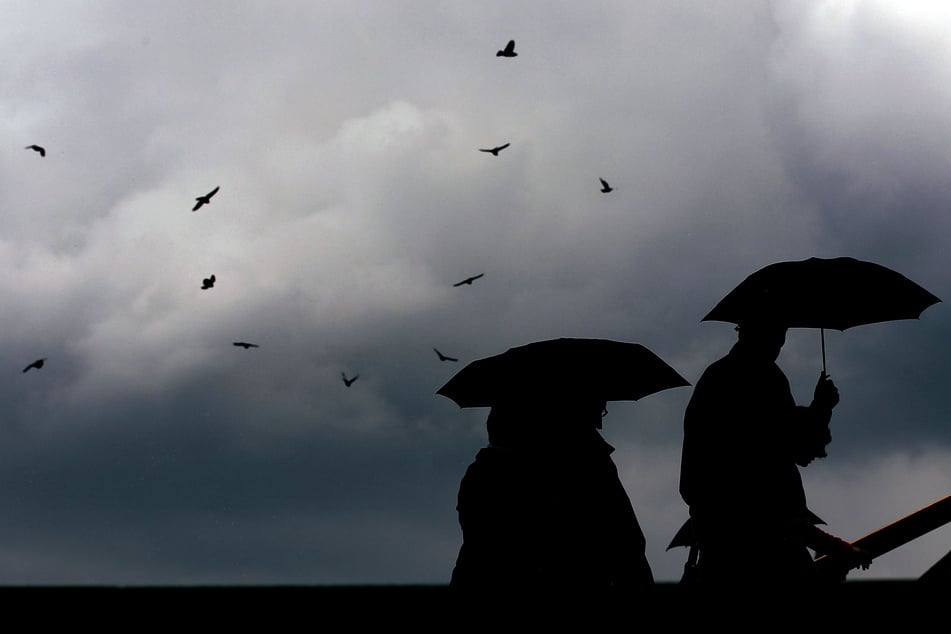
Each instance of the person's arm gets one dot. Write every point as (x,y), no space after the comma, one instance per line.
(826,395)
(811,423)
(836,548)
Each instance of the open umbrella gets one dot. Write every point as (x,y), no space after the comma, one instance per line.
(601,369)
(836,293)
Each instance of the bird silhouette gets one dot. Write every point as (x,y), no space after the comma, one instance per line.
(246,345)
(469,280)
(605,188)
(206,199)
(495,151)
(37,148)
(36,364)
(349,382)
(208,282)
(508,51)
(443,357)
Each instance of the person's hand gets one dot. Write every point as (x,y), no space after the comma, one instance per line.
(852,556)
(843,557)
(860,558)
(826,394)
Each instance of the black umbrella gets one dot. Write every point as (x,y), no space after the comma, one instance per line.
(602,369)
(835,293)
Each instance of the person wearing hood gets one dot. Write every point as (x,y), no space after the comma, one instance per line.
(542,507)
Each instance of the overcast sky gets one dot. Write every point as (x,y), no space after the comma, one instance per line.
(344,138)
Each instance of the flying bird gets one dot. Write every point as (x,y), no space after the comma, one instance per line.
(205,200)
(246,345)
(605,188)
(443,357)
(469,280)
(208,282)
(495,151)
(508,51)
(37,148)
(349,382)
(36,364)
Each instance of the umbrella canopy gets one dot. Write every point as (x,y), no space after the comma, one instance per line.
(836,293)
(595,369)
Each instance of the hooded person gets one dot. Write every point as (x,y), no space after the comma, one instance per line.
(542,506)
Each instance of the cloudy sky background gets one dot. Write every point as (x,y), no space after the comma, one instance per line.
(344,137)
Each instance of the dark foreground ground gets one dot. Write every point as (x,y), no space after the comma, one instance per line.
(852,605)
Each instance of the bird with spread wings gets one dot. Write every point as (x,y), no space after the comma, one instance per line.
(508,51)
(443,357)
(469,280)
(36,364)
(494,151)
(206,199)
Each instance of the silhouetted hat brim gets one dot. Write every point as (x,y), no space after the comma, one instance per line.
(567,369)
(835,293)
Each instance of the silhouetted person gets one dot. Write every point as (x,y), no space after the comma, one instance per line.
(745,439)
(542,506)
(37,148)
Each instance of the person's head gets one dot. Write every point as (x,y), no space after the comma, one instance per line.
(543,421)
(763,338)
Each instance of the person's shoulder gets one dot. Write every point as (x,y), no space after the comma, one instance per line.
(495,458)
(725,365)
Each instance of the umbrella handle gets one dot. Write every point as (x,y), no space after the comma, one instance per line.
(822,339)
